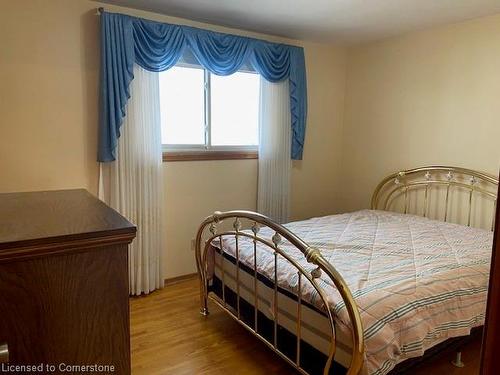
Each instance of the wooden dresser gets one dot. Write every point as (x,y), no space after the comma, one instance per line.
(63,283)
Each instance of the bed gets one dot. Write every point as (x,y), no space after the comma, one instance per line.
(361,292)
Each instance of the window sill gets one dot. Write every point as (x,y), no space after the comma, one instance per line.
(208,155)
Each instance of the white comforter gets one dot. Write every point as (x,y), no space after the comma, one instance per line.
(417,282)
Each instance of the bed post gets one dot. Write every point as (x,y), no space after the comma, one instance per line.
(204,303)
(201,267)
(457,362)
(206,264)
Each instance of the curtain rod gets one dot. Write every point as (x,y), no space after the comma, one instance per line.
(100,11)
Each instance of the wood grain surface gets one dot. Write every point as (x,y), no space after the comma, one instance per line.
(71,308)
(169,336)
(64,281)
(208,155)
(491,339)
(41,223)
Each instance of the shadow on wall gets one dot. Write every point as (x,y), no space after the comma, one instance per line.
(90,55)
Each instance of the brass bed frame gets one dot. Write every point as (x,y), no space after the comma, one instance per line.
(400,186)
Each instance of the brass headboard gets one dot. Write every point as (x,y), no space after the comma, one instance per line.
(451,194)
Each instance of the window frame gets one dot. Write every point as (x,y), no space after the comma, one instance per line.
(207,151)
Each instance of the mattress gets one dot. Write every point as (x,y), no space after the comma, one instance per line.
(315,327)
(417,282)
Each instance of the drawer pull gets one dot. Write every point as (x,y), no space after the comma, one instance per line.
(4,353)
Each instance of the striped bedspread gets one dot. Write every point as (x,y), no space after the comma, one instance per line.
(417,281)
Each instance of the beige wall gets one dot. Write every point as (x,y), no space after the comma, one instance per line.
(194,190)
(314,179)
(430,97)
(48,130)
(48,87)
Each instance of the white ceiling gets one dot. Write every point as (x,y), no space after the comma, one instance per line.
(342,21)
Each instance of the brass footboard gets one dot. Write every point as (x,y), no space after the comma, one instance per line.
(254,222)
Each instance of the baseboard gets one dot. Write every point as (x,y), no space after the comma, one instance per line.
(178,279)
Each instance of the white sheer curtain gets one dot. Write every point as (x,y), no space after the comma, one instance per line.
(273,194)
(132,184)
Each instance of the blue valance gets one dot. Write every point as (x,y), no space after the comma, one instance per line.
(158,46)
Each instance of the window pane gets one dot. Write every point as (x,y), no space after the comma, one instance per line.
(182,103)
(235,109)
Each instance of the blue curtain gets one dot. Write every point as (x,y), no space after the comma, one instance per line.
(158,46)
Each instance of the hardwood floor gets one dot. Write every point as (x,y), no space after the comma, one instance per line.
(169,336)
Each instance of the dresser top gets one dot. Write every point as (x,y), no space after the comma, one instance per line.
(51,219)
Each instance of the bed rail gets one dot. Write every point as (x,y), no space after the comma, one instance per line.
(474,194)
(211,230)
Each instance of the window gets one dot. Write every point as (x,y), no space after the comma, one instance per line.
(182,103)
(235,109)
(203,112)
